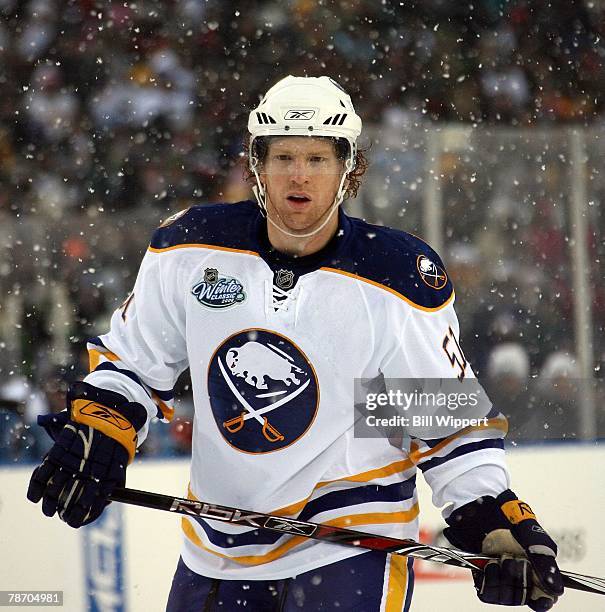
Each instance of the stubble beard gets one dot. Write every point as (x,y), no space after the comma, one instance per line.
(289,222)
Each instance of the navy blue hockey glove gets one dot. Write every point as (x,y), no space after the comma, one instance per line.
(526,572)
(93,446)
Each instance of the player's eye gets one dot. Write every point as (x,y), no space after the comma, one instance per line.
(318,159)
(282,157)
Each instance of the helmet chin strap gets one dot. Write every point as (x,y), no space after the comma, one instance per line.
(261,197)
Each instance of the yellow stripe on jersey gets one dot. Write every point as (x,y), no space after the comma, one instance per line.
(167,411)
(352,520)
(397,583)
(497,423)
(395,293)
(381,472)
(94,357)
(296,507)
(211,247)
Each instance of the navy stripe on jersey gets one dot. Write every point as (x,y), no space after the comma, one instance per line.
(164,396)
(97,342)
(462,450)
(397,492)
(399,261)
(108,366)
(410,591)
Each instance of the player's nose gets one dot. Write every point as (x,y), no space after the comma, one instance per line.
(299,172)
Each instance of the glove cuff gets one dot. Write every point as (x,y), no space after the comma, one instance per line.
(107,412)
(469,524)
(514,509)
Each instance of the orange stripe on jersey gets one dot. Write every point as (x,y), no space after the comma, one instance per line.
(372,518)
(94,358)
(211,247)
(498,423)
(381,472)
(167,411)
(395,293)
(397,583)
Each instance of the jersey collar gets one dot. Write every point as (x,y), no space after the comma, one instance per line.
(329,255)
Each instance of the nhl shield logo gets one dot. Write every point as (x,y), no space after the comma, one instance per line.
(210,276)
(284,279)
(217,291)
(433,275)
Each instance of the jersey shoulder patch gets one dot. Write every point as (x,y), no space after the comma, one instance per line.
(219,225)
(400,262)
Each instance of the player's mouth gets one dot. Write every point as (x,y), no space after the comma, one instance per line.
(298,200)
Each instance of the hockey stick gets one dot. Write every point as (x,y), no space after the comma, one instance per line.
(327,533)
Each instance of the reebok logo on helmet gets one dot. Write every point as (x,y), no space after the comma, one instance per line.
(301,115)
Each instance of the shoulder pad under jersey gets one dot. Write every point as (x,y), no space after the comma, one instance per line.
(399,262)
(219,225)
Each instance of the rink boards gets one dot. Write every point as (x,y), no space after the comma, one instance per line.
(125,562)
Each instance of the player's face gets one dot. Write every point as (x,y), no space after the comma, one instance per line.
(301,177)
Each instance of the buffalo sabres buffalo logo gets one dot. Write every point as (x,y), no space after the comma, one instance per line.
(216,291)
(433,275)
(263,391)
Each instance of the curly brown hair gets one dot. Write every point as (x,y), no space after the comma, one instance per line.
(340,146)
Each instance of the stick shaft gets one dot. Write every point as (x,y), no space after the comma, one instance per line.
(328,533)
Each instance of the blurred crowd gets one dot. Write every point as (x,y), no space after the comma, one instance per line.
(115,115)
(117,105)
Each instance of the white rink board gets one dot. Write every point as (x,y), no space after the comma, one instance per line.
(36,553)
(565,484)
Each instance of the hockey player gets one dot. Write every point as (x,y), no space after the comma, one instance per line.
(276,311)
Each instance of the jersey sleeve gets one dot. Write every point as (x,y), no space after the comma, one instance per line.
(144,351)
(460,463)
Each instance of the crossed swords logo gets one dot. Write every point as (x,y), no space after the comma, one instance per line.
(270,432)
(431,274)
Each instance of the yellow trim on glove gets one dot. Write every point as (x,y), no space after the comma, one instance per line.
(517,511)
(106,420)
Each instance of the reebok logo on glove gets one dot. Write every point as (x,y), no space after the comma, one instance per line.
(516,511)
(106,420)
(525,570)
(102,412)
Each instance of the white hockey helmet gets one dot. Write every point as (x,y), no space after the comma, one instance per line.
(304,106)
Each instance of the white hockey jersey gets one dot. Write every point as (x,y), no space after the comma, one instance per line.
(274,344)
